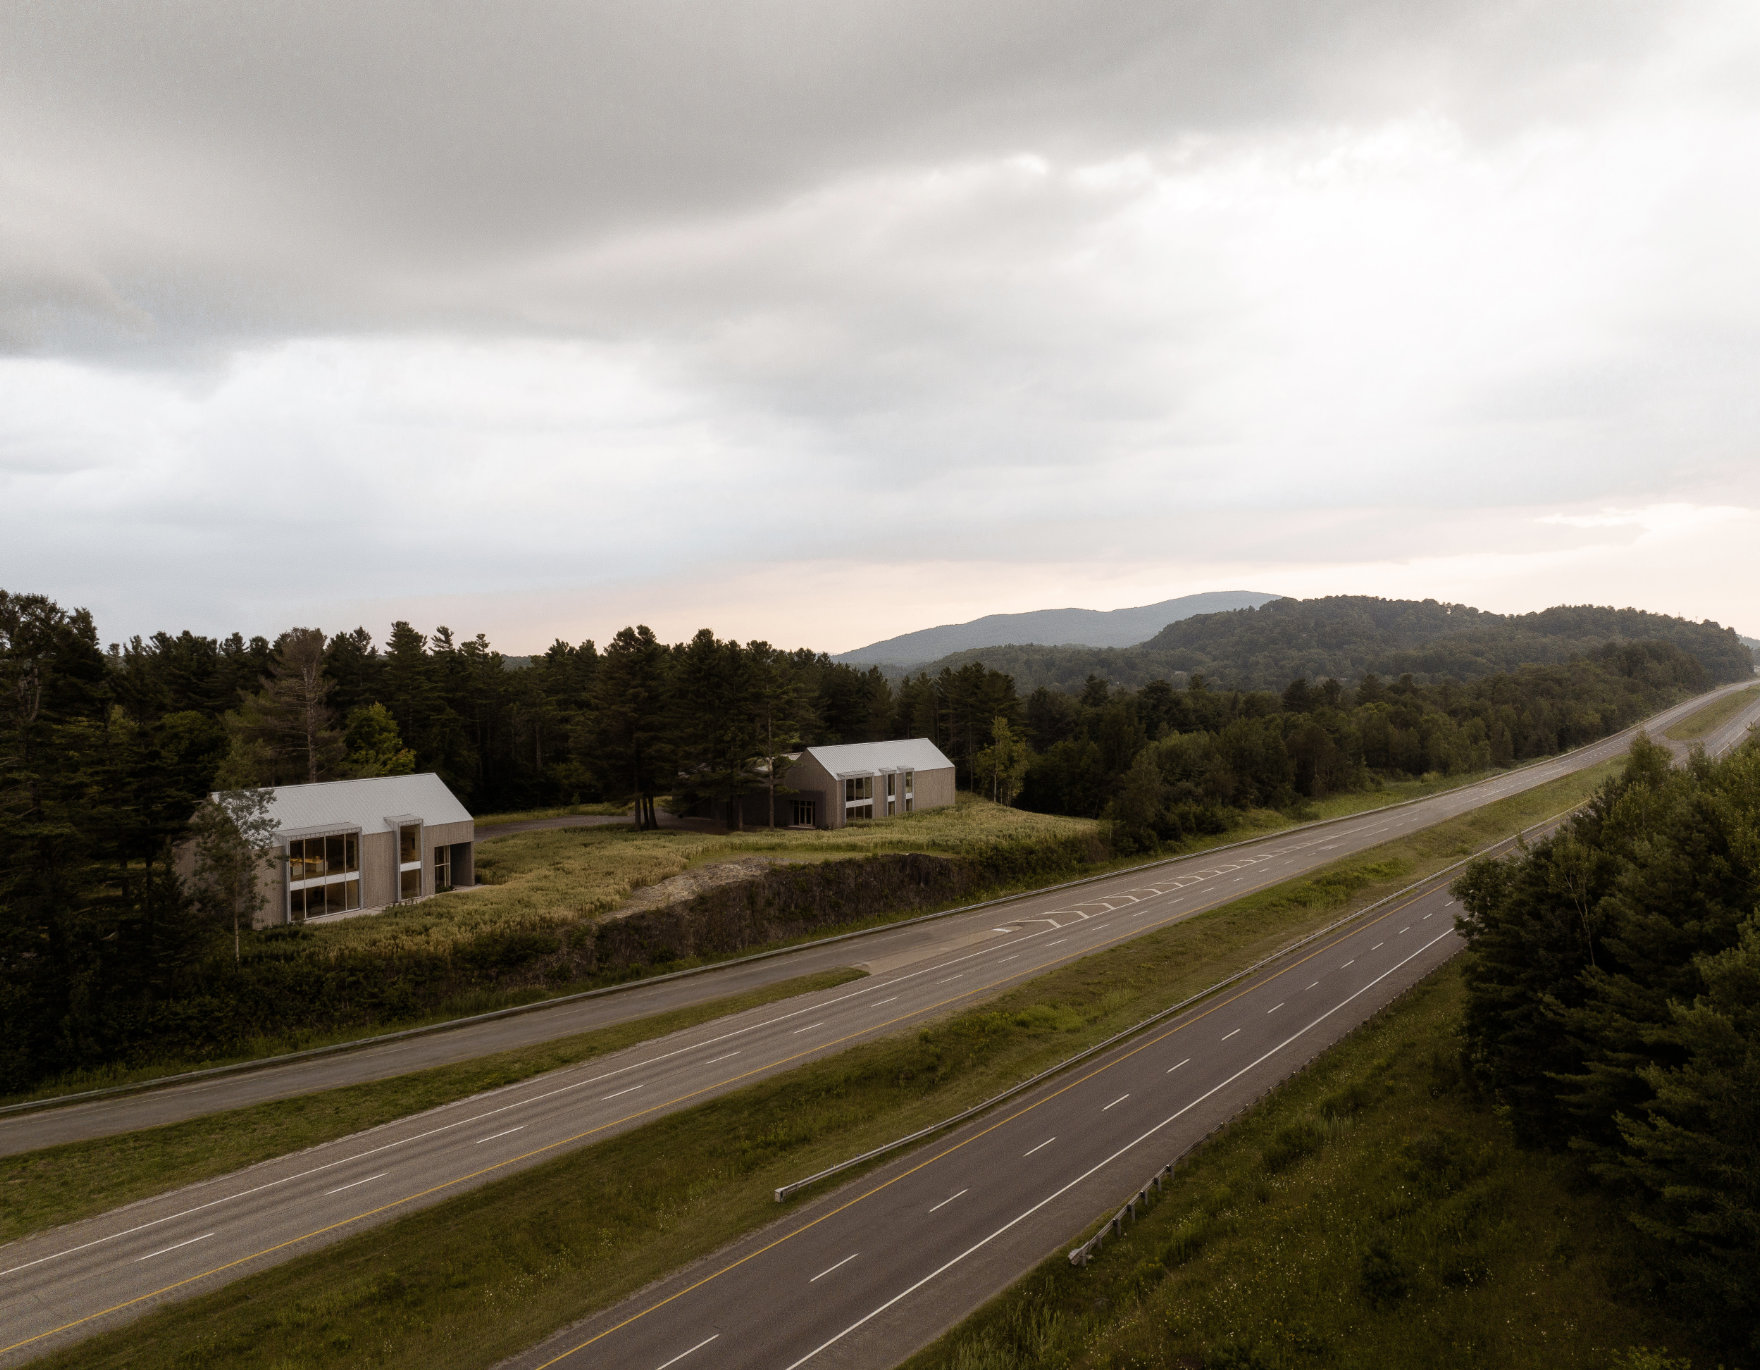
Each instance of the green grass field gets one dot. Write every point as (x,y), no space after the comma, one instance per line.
(478,1277)
(1713,716)
(566,874)
(1372,1213)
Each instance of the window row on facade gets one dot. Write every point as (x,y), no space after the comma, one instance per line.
(858,794)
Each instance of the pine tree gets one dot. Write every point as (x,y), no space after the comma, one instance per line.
(627,734)
(286,733)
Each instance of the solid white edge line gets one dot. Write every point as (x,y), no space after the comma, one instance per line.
(1059,1193)
(682,1354)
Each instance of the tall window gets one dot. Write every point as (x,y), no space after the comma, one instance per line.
(409,861)
(910,791)
(858,797)
(323,875)
(803,813)
(442,868)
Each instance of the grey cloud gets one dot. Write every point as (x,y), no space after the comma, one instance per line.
(305,166)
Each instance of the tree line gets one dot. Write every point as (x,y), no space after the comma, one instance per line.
(106,755)
(1613,973)
(1162,763)
(635,720)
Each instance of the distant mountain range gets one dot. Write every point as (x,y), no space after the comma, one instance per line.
(1348,636)
(1051,628)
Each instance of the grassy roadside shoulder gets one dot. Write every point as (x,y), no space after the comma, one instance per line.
(60,1184)
(1372,1212)
(1713,716)
(480,1276)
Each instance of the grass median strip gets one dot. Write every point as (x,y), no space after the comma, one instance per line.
(1713,716)
(39,1189)
(1372,1212)
(482,1275)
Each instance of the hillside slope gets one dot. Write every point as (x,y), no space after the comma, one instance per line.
(1349,636)
(1080,627)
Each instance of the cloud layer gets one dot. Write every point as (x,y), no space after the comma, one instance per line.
(822,325)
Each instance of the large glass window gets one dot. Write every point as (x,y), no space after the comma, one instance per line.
(323,875)
(442,869)
(803,813)
(409,861)
(858,789)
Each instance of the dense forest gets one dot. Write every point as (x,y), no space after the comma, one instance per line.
(1163,763)
(1349,636)
(1614,1013)
(107,753)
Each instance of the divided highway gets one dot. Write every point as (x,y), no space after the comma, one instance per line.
(51,1126)
(867,1275)
(64,1284)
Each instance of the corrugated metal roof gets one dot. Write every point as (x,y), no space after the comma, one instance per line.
(337,805)
(870,758)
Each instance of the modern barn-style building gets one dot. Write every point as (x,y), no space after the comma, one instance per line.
(353,845)
(832,786)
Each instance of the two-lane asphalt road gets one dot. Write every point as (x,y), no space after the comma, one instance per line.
(64,1284)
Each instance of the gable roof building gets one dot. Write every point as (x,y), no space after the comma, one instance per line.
(350,846)
(827,787)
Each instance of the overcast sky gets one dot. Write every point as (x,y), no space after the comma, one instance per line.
(824,322)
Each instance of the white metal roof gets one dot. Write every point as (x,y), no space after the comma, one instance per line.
(372,805)
(874,758)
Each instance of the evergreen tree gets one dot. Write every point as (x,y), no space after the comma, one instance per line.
(713,725)
(285,733)
(627,732)
(374,747)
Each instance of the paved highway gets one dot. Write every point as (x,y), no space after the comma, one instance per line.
(867,1275)
(60,1285)
(29,1131)
(872,1272)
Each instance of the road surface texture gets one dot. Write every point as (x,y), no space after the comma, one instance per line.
(876,1270)
(878,950)
(60,1285)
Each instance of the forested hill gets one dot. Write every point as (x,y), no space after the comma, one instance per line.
(1071,627)
(1349,636)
